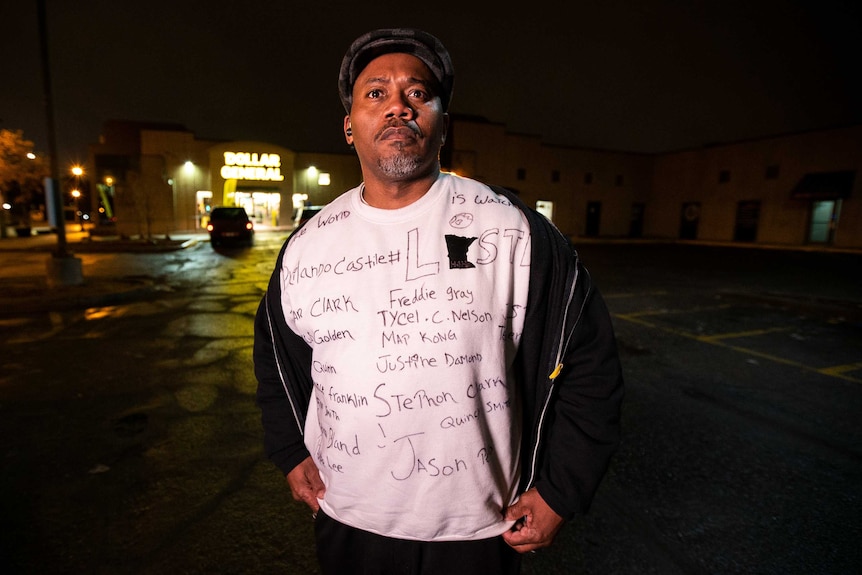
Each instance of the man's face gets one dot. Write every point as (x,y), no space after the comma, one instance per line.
(396,120)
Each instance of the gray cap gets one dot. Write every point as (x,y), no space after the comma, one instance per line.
(390,40)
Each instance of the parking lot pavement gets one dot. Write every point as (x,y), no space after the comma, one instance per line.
(25,289)
(740,449)
(28,289)
(820,339)
(132,444)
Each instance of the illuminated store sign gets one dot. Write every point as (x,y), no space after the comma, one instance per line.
(246,166)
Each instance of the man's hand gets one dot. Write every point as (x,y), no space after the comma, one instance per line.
(536,523)
(305,483)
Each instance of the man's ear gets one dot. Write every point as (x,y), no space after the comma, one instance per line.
(445,129)
(348,131)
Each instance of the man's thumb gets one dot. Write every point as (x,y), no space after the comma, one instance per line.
(514,511)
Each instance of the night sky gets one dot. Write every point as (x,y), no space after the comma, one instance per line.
(645,75)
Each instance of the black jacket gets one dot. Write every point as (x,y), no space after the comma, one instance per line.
(567,368)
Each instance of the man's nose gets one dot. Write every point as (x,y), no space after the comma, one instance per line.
(401,108)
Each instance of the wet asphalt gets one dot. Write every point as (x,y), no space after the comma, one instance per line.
(130,443)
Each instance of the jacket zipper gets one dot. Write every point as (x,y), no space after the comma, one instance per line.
(280,371)
(558,367)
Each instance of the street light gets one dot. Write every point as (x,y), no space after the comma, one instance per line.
(77,195)
(78,172)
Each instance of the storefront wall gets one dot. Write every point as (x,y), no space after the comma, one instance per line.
(179,163)
(324,177)
(571,180)
(748,191)
(724,180)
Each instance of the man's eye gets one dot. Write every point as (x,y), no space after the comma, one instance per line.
(418,94)
(375,93)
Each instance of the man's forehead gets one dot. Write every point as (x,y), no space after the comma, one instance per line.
(385,66)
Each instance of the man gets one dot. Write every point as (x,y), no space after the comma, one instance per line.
(438,378)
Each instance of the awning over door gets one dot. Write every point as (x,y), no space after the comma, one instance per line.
(824,186)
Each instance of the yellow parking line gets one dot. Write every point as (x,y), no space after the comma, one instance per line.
(840,370)
(751,333)
(673,311)
(837,371)
(633,294)
(635,318)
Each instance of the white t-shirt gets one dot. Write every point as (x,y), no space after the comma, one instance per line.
(414,316)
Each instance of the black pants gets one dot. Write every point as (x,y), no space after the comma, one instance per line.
(344,550)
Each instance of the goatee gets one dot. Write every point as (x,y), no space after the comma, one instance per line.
(399,165)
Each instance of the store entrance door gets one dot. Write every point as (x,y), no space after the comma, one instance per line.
(594,218)
(824,217)
(262,207)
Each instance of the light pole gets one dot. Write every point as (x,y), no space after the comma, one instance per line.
(63,267)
